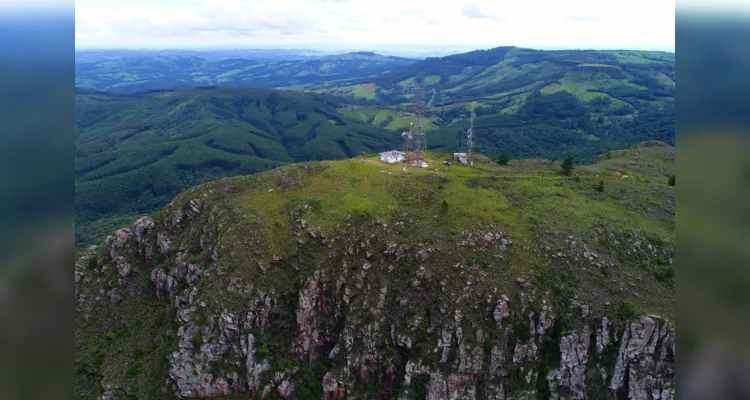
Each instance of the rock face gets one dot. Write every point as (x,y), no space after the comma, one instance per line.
(338,326)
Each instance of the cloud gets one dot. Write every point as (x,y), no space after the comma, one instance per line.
(586,18)
(473,11)
(248,23)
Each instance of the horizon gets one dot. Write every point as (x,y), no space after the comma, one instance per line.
(356,48)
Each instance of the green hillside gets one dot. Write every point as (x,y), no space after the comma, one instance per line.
(344,279)
(533,103)
(135,153)
(631,79)
(148,72)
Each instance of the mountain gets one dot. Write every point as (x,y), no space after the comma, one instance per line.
(134,153)
(343,279)
(263,55)
(631,79)
(170,71)
(529,103)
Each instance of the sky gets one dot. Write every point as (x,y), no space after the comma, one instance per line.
(323,24)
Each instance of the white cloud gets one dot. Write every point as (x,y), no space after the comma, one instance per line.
(283,23)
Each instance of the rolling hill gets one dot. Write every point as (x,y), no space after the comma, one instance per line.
(136,72)
(343,279)
(630,79)
(134,153)
(530,103)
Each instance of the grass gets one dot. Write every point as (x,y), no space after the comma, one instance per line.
(273,230)
(440,202)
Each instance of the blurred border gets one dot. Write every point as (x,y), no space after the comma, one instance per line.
(37,128)
(713,199)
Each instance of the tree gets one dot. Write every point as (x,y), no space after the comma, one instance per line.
(568,164)
(503,158)
(600,188)
(671,181)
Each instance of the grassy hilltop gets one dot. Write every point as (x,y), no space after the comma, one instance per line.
(325,255)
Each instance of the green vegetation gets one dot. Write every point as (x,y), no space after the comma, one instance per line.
(436,220)
(568,164)
(135,153)
(600,187)
(503,158)
(671,181)
(150,72)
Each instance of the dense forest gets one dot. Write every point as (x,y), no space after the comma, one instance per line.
(135,153)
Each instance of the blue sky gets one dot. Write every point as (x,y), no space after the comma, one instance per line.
(594,24)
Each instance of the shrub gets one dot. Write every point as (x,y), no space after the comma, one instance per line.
(600,188)
(671,181)
(134,370)
(503,158)
(627,310)
(111,336)
(197,340)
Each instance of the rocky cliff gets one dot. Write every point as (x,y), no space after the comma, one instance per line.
(220,297)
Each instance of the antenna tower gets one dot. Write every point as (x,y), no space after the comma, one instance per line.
(470,134)
(420,138)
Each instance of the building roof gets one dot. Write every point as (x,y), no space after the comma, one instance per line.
(460,154)
(392,153)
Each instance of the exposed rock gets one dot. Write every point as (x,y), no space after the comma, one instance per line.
(114,297)
(286,389)
(159,278)
(124,269)
(571,375)
(180,270)
(142,226)
(116,243)
(174,218)
(637,357)
(164,243)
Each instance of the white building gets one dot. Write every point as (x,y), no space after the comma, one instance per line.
(392,156)
(462,157)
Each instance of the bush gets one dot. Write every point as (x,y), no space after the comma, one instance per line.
(627,310)
(600,188)
(671,181)
(503,158)
(197,340)
(111,336)
(134,370)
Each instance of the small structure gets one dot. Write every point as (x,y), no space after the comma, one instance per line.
(462,157)
(392,156)
(418,163)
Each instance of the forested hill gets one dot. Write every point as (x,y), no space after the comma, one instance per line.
(134,153)
(154,71)
(632,79)
(531,103)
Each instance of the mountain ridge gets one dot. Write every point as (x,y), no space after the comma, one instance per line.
(338,279)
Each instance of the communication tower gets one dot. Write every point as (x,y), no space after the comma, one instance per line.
(470,135)
(418,153)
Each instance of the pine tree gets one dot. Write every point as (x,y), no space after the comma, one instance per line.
(503,158)
(671,181)
(568,164)
(600,188)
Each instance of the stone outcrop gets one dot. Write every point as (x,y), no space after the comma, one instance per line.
(351,328)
